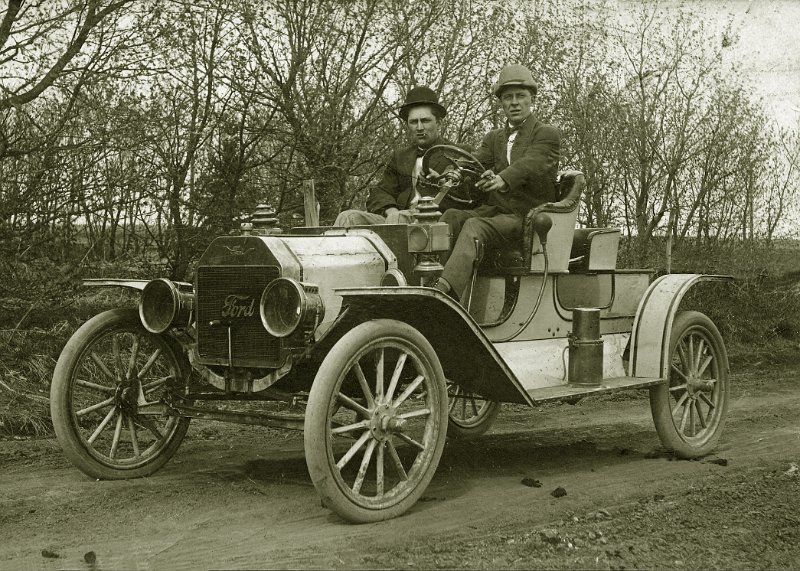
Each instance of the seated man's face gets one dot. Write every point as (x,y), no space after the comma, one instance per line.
(516,102)
(423,126)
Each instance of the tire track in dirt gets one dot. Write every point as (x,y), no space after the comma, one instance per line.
(247,501)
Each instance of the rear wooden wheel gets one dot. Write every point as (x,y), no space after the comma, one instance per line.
(689,411)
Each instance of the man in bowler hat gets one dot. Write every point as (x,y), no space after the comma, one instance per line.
(391,201)
(521,161)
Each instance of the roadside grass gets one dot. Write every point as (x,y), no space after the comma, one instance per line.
(29,355)
(758,314)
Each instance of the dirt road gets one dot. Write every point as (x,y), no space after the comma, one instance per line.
(240,497)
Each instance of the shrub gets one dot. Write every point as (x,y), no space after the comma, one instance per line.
(41,305)
(760,307)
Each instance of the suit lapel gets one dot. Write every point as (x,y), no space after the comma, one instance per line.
(407,157)
(523,138)
(500,141)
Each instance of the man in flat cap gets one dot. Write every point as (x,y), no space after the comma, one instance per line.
(391,201)
(521,161)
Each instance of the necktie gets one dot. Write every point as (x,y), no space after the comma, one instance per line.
(512,136)
(512,130)
(414,176)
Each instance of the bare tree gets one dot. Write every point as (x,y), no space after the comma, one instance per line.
(45,45)
(160,122)
(328,70)
(780,183)
(181,108)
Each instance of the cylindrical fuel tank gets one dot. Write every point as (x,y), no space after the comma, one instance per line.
(585,347)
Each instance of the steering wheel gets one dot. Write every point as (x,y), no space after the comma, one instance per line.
(458,182)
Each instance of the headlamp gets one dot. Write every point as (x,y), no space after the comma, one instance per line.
(163,305)
(288,306)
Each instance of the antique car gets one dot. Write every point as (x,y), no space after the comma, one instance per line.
(338,333)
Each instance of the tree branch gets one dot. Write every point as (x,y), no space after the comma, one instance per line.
(93,18)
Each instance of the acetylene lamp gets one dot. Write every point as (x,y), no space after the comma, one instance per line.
(288,306)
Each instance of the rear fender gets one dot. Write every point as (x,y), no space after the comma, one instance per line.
(652,327)
(467,356)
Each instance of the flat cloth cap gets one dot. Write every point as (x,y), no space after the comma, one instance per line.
(515,75)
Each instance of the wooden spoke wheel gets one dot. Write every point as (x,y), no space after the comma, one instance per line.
(107,369)
(470,414)
(689,411)
(376,421)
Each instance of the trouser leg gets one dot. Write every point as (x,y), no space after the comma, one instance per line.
(348,218)
(501,230)
(455,220)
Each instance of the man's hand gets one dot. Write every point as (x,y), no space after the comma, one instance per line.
(432,175)
(491,182)
(450,175)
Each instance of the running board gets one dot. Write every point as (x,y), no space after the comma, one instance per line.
(574,391)
(290,421)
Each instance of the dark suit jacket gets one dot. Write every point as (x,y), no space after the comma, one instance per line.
(395,188)
(531,176)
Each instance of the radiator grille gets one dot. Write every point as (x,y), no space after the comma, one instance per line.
(230,296)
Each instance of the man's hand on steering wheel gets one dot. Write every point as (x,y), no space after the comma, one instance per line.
(461,161)
(456,180)
(451,177)
(491,182)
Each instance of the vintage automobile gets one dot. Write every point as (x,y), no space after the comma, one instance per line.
(336,332)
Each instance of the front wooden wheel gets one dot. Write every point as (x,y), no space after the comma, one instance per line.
(689,411)
(105,367)
(376,421)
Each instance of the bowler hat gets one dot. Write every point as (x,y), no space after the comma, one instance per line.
(515,75)
(422,96)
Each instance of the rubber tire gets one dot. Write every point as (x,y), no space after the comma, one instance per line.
(75,447)
(457,431)
(321,467)
(661,402)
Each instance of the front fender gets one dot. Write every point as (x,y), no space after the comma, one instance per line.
(126,283)
(652,327)
(467,356)
(115,282)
